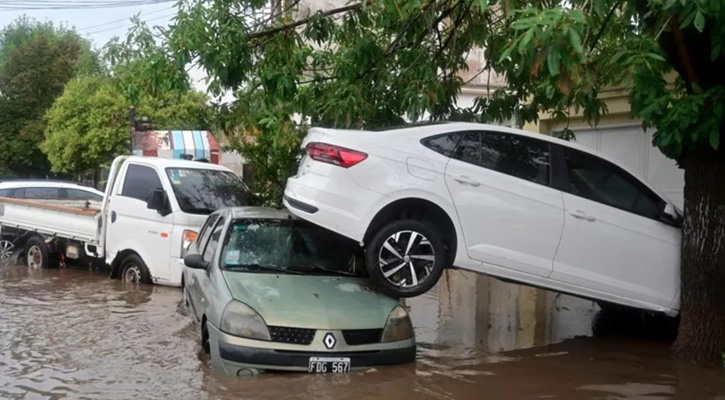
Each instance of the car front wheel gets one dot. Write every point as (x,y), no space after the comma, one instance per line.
(406,258)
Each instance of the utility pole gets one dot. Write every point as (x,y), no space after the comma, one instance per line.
(132,121)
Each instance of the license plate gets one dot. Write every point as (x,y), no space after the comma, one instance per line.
(321,365)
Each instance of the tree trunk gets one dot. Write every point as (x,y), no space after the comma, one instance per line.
(701,336)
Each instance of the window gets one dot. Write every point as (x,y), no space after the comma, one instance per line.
(6,192)
(213,243)
(203,191)
(206,230)
(519,156)
(76,194)
(598,180)
(469,149)
(443,144)
(42,193)
(140,180)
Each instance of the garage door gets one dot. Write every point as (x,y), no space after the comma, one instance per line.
(632,147)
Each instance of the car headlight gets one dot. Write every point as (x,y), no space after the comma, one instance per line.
(187,239)
(241,320)
(398,327)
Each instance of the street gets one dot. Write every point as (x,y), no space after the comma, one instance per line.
(75,334)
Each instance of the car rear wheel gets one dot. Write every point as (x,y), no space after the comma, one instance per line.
(134,270)
(406,258)
(38,254)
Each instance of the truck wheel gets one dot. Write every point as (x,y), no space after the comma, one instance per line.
(405,258)
(133,270)
(39,254)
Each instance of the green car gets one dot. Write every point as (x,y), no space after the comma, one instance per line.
(273,292)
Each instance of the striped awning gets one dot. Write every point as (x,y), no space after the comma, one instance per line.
(176,144)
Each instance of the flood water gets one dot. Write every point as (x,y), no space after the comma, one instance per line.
(74,334)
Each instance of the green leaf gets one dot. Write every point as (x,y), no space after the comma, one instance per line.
(526,39)
(699,21)
(669,4)
(715,52)
(553,60)
(576,41)
(715,138)
(655,56)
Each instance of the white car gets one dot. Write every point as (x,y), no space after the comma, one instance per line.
(49,190)
(521,207)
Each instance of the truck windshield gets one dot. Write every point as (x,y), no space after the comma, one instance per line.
(203,191)
(289,246)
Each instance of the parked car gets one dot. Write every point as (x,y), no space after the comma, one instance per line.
(522,207)
(147,219)
(270,291)
(49,190)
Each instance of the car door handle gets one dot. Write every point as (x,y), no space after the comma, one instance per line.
(464,180)
(582,215)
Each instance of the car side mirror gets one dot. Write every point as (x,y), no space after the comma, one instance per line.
(195,261)
(157,200)
(671,216)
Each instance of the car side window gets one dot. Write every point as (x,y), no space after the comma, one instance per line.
(443,144)
(206,231)
(516,155)
(601,181)
(6,192)
(76,194)
(42,193)
(213,243)
(469,149)
(139,181)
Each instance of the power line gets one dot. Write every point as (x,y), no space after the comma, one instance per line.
(123,19)
(24,6)
(126,26)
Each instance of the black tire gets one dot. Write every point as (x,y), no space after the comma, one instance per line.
(427,242)
(134,270)
(39,254)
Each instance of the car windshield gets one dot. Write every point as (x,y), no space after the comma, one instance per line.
(203,191)
(289,246)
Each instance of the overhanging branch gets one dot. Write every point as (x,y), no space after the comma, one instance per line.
(303,21)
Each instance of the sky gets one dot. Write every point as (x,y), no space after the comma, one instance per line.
(97,24)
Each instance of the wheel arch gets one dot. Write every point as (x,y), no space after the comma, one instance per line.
(422,210)
(120,256)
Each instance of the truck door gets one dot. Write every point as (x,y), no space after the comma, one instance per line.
(133,226)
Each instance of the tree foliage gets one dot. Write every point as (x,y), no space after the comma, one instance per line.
(87,126)
(36,60)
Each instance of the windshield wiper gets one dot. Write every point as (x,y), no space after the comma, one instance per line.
(315,268)
(266,268)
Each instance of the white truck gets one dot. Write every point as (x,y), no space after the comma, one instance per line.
(150,214)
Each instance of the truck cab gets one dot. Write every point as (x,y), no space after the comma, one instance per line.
(153,210)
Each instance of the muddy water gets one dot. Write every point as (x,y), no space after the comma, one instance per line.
(73,334)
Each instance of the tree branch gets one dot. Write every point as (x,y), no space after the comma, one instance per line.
(303,21)
(604,25)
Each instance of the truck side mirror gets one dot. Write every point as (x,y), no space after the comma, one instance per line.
(157,200)
(195,261)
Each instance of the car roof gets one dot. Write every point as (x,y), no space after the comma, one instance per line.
(17,184)
(258,213)
(175,163)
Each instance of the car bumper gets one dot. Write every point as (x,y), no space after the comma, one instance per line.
(345,211)
(235,356)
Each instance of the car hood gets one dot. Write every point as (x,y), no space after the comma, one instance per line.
(311,301)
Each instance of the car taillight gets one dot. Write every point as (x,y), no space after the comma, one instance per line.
(336,155)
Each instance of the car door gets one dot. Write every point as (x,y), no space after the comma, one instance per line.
(511,217)
(615,241)
(134,226)
(197,280)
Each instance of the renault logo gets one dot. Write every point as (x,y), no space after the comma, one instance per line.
(329,341)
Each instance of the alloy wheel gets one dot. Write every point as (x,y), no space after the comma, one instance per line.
(6,249)
(406,259)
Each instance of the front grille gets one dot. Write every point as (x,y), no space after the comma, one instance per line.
(355,337)
(283,334)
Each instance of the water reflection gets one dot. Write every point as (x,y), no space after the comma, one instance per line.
(74,334)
